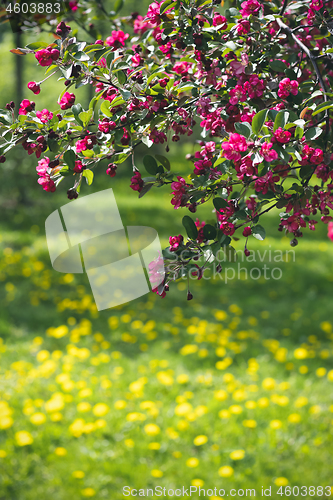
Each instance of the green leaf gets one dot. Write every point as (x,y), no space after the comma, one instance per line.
(258,121)
(167,5)
(209,232)
(299,132)
(280,120)
(121,77)
(167,254)
(306,171)
(164,161)
(80,56)
(36,45)
(85,116)
(243,128)
(277,66)
(89,175)
(145,189)
(190,227)
(76,110)
(105,108)
(69,158)
(220,203)
(150,164)
(322,107)
(313,133)
(88,153)
(259,232)
(118,5)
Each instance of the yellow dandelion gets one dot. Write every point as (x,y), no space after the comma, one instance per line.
(38,418)
(321,372)
(200,440)
(78,474)
(251,424)
(226,471)
(120,404)
(197,482)
(300,353)
(129,443)
(268,384)
(83,407)
(23,438)
(294,418)
(100,409)
(192,462)
(60,452)
(152,429)
(237,455)
(88,492)
(275,424)
(154,446)
(281,481)
(156,473)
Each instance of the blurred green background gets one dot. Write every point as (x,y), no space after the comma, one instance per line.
(230,390)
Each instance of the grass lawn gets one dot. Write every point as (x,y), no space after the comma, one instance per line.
(230,390)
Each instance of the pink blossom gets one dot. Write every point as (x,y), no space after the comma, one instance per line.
(237,94)
(47,56)
(179,193)
(330,230)
(136,60)
(254,87)
(136,182)
(141,26)
(238,67)
(250,7)
(233,147)
(34,87)
(243,27)
(220,21)
(282,136)
(26,106)
(267,152)
(44,178)
(182,67)
(45,115)
(175,242)
(227,228)
(316,4)
(43,165)
(287,87)
(73,5)
(117,39)
(264,183)
(67,100)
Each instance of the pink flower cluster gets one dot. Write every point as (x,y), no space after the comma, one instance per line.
(45,115)
(44,178)
(117,39)
(204,158)
(67,100)
(179,193)
(136,182)
(26,106)
(47,56)
(232,148)
(287,87)
(175,242)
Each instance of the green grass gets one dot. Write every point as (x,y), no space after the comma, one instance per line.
(272,320)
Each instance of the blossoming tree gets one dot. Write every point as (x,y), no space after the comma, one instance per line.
(257,80)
